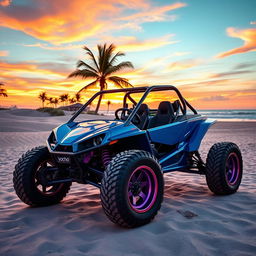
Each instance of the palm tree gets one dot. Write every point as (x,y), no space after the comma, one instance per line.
(43,97)
(102,69)
(78,97)
(109,102)
(51,101)
(3,91)
(64,98)
(72,100)
(55,102)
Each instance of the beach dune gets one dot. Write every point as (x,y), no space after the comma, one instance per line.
(192,221)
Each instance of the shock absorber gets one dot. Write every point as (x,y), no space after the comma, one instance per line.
(106,157)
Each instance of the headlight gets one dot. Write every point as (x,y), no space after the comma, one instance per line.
(97,140)
(93,142)
(52,140)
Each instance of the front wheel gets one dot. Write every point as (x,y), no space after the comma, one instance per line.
(224,168)
(132,188)
(29,179)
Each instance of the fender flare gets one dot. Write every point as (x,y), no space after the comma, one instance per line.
(199,134)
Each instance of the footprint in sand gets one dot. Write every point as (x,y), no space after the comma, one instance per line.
(187,214)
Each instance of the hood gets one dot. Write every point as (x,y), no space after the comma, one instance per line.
(69,133)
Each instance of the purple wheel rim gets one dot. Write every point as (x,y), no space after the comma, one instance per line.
(232,169)
(142,189)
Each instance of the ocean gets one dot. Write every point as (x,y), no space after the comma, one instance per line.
(231,114)
(221,115)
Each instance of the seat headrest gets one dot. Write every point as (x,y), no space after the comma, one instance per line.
(165,107)
(175,105)
(143,109)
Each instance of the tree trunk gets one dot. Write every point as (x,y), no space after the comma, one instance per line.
(102,83)
(98,104)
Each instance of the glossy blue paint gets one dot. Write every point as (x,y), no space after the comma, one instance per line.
(67,134)
(198,134)
(169,134)
(71,134)
(175,160)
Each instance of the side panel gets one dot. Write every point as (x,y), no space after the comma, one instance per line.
(176,160)
(198,134)
(169,134)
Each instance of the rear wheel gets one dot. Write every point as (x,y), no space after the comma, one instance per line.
(224,168)
(132,188)
(30,176)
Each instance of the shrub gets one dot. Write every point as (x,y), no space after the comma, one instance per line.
(52,111)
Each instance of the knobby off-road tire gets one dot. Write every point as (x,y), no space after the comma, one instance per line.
(132,188)
(224,168)
(26,184)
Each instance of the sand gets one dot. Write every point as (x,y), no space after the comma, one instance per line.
(192,221)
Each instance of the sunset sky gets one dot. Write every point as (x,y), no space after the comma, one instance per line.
(206,48)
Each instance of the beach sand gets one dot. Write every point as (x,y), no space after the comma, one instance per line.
(217,225)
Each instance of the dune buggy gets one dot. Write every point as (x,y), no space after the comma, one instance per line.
(126,157)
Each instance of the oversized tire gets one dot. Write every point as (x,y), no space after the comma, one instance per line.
(224,168)
(26,179)
(132,188)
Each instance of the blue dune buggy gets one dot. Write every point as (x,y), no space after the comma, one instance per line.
(126,157)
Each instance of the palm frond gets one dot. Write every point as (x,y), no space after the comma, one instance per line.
(3,92)
(120,66)
(88,86)
(107,57)
(89,52)
(43,96)
(114,58)
(78,97)
(84,73)
(122,82)
(101,50)
(81,63)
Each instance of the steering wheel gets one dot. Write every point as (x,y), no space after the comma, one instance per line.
(136,118)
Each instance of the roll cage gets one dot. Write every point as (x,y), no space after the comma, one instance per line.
(129,91)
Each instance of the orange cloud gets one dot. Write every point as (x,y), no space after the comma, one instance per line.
(180,65)
(5,2)
(55,47)
(224,100)
(29,70)
(247,35)
(155,14)
(231,73)
(132,44)
(4,53)
(65,21)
